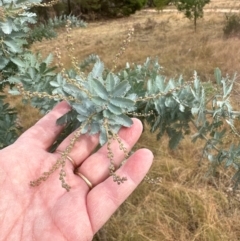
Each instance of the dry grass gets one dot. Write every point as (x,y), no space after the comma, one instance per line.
(185,205)
(229,4)
(168,36)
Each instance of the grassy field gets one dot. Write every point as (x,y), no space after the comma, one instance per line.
(185,205)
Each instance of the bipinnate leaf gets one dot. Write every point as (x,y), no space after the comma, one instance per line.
(49,59)
(122,102)
(95,128)
(108,114)
(121,89)
(98,100)
(111,81)
(97,70)
(122,120)
(98,88)
(12,46)
(114,109)
(81,109)
(18,62)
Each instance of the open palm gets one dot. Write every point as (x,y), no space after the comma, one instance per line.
(49,212)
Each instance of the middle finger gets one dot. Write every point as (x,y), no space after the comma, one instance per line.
(96,167)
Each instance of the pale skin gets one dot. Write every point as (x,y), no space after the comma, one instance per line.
(48,211)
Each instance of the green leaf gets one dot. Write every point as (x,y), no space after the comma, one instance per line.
(121,89)
(14,79)
(102,136)
(110,82)
(122,102)
(95,128)
(98,100)
(114,109)
(181,108)
(3,62)
(99,89)
(49,59)
(32,72)
(218,75)
(150,87)
(228,90)
(81,118)
(13,46)
(169,102)
(97,70)
(170,85)
(6,26)
(85,129)
(14,92)
(194,110)
(122,120)
(229,162)
(43,67)
(175,139)
(196,81)
(54,83)
(65,118)
(160,83)
(156,124)
(18,62)
(107,114)
(82,110)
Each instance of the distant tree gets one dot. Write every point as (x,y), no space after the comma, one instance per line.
(122,8)
(107,8)
(192,9)
(160,4)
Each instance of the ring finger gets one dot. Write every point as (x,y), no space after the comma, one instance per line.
(96,167)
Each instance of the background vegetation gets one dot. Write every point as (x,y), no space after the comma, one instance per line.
(186,205)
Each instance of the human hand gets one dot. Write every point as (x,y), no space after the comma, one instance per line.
(49,212)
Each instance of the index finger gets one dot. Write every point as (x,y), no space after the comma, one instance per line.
(45,131)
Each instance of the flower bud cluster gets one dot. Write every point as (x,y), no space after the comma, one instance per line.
(123,47)
(141,114)
(112,169)
(71,49)
(29,94)
(151,180)
(159,94)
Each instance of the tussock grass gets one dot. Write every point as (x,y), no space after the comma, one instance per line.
(187,204)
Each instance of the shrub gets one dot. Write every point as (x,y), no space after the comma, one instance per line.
(232,25)
(9,128)
(47,31)
(41,32)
